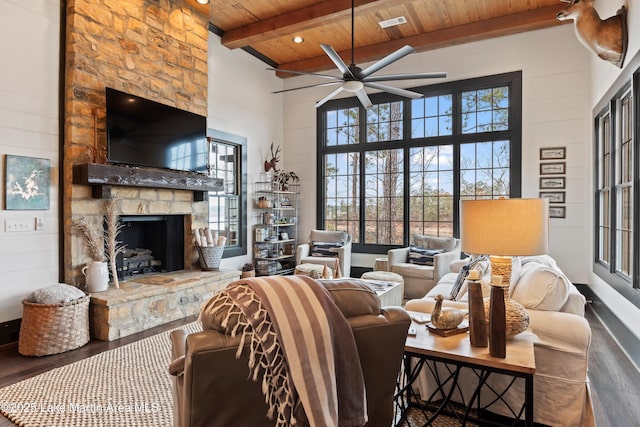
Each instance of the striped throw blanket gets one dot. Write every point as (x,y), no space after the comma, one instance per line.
(301,345)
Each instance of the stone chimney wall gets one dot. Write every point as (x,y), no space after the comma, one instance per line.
(156,49)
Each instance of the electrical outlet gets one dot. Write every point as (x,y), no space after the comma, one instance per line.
(39,223)
(16,224)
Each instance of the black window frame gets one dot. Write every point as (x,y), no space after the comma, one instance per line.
(628,80)
(514,133)
(241,184)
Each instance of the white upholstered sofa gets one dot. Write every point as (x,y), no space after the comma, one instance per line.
(556,310)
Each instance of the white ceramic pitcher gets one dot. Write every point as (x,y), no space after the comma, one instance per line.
(96,275)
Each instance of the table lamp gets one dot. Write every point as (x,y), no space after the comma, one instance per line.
(502,228)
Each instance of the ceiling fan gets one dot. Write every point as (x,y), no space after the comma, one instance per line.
(354,79)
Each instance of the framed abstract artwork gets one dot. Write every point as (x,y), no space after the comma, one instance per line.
(27,181)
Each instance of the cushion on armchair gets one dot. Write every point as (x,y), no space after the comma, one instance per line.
(422,256)
(446,244)
(325,249)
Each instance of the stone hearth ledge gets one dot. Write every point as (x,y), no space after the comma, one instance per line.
(145,302)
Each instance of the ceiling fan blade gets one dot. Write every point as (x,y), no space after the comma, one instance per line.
(394,90)
(364,98)
(392,57)
(328,97)
(303,73)
(306,87)
(413,76)
(333,55)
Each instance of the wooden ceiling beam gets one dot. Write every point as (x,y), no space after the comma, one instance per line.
(501,26)
(294,22)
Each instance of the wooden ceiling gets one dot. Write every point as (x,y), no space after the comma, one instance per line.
(265,28)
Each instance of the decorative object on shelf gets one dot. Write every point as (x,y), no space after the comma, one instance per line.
(477,319)
(248,270)
(210,246)
(497,318)
(503,228)
(114,246)
(273,163)
(446,317)
(282,178)
(608,39)
(27,182)
(263,202)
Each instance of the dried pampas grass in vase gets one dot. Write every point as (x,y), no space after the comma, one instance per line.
(92,239)
(114,246)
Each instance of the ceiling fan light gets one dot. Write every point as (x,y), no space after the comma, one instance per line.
(203,1)
(352,85)
(297,39)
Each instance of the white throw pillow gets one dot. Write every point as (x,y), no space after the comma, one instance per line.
(541,287)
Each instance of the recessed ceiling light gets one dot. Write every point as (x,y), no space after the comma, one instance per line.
(297,39)
(203,1)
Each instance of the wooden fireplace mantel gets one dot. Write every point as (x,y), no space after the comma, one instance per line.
(102,177)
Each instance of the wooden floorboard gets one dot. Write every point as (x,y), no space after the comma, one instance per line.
(614,380)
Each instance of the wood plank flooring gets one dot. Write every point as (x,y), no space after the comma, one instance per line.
(615,381)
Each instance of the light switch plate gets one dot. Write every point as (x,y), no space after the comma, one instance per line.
(12,225)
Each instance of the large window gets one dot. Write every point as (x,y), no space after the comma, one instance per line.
(402,166)
(227,208)
(616,187)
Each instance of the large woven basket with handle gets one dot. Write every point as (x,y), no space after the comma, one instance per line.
(53,328)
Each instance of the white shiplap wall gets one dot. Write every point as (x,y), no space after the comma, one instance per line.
(29,57)
(555,113)
(241,103)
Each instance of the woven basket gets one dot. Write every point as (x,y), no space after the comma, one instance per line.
(53,328)
(210,257)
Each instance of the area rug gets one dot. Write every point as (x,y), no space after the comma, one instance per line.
(126,386)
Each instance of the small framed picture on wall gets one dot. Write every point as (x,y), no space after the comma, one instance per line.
(553,153)
(557,211)
(557,182)
(555,168)
(553,196)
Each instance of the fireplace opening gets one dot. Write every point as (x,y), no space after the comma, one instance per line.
(154,244)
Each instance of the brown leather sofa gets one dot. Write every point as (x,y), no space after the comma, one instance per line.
(212,388)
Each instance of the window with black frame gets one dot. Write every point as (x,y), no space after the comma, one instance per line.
(227,207)
(616,212)
(402,166)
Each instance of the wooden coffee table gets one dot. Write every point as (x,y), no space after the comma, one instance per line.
(456,353)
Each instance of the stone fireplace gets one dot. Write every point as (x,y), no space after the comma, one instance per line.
(155,49)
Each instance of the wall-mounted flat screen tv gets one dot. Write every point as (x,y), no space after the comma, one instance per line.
(141,132)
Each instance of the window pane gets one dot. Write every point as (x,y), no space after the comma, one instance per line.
(437,113)
(485,110)
(384,122)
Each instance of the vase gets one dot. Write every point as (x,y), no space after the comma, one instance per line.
(96,276)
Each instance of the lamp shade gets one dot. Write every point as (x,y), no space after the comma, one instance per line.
(506,227)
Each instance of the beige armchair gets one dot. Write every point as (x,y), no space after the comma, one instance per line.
(419,279)
(305,253)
